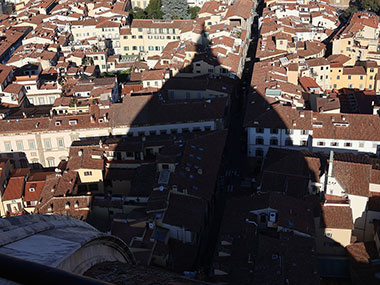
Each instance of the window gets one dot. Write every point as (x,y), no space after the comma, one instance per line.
(169,37)
(31,144)
(347,144)
(8,146)
(133,37)
(140,37)
(289,131)
(371,70)
(370,86)
(126,48)
(60,143)
(304,132)
(349,85)
(134,48)
(50,162)
(259,141)
(371,77)
(361,86)
(259,130)
(334,144)
(47,143)
(87,173)
(140,30)
(41,100)
(274,131)
(274,141)
(329,235)
(349,77)
(320,143)
(288,142)
(334,86)
(303,143)
(125,37)
(361,144)
(361,77)
(19,145)
(338,77)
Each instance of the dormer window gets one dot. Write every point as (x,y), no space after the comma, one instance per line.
(58,123)
(32,189)
(73,122)
(67,206)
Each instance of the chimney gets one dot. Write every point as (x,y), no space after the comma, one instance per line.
(331,160)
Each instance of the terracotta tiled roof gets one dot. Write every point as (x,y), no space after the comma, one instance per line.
(353,177)
(15,188)
(337,217)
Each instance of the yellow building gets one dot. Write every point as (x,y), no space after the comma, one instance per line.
(148,37)
(98,58)
(359,39)
(361,76)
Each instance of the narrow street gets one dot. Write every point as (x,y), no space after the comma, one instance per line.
(235,164)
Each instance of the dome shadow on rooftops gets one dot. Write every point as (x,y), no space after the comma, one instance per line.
(194,90)
(191,91)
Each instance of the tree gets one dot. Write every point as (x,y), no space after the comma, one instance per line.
(193,11)
(153,10)
(370,5)
(138,13)
(349,11)
(175,9)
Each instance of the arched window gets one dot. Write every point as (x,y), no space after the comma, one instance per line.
(273,141)
(259,140)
